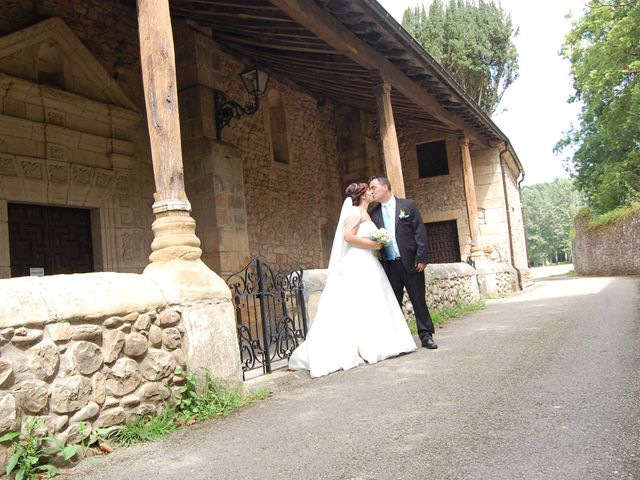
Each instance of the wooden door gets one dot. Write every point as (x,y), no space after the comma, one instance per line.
(442,242)
(53,238)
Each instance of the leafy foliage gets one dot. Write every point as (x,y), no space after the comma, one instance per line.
(31,454)
(549,210)
(206,397)
(28,458)
(474,43)
(200,398)
(604,50)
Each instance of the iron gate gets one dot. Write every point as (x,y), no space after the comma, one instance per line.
(271,317)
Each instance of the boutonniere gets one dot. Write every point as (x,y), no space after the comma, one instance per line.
(403,215)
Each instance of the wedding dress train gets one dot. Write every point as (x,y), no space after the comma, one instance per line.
(358,318)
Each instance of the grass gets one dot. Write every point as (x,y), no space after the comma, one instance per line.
(201,398)
(442,316)
(145,428)
(609,218)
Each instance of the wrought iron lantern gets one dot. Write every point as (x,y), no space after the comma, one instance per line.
(255,82)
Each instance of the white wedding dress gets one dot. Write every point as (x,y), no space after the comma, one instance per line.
(358,318)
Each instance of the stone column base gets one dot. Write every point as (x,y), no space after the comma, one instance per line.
(211,340)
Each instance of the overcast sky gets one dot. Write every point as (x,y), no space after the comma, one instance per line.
(534,111)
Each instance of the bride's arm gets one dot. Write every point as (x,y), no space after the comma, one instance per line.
(352,238)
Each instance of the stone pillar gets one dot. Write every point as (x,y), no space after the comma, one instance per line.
(388,136)
(173,228)
(470,197)
(214,177)
(5,256)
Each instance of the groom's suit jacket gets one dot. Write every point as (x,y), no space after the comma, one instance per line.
(411,234)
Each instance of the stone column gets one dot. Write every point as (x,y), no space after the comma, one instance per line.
(5,256)
(470,196)
(173,228)
(214,177)
(388,136)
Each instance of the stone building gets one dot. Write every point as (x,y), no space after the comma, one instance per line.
(148,205)
(76,180)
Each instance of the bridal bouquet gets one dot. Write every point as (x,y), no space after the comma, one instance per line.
(381,236)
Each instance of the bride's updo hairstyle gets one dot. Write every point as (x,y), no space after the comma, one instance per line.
(355,191)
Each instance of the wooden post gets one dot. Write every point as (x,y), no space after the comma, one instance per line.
(470,196)
(388,136)
(173,228)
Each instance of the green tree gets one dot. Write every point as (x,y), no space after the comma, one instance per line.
(604,50)
(473,42)
(549,210)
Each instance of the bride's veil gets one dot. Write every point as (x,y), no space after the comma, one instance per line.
(349,217)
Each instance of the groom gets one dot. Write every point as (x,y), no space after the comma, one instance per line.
(405,257)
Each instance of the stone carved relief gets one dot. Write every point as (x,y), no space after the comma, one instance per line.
(58,172)
(8,167)
(122,181)
(128,247)
(103,178)
(56,152)
(81,175)
(32,169)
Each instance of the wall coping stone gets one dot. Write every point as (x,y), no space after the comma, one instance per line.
(36,301)
(437,271)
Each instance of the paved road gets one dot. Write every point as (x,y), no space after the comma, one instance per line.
(542,385)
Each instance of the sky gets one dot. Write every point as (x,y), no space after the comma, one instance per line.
(534,112)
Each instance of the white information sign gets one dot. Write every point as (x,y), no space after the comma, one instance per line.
(36,272)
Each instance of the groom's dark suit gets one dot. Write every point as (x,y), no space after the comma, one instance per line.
(411,238)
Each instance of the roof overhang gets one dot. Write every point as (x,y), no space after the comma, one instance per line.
(337,49)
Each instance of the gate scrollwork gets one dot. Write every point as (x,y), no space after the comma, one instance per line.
(270,311)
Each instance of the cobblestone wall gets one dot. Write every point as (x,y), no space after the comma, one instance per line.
(609,250)
(448,285)
(69,356)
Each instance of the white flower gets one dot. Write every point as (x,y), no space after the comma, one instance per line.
(403,215)
(381,236)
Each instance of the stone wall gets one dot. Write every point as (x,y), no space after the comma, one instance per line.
(71,125)
(492,214)
(439,198)
(611,249)
(518,238)
(99,348)
(449,285)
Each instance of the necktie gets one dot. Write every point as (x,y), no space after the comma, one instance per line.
(386,218)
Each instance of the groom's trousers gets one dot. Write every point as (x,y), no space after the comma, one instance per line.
(414,283)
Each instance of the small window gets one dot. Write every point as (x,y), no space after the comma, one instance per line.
(432,159)
(278,122)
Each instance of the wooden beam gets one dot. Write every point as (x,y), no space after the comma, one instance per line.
(470,192)
(161,97)
(388,137)
(173,228)
(339,37)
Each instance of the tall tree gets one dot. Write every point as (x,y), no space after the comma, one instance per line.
(474,42)
(604,50)
(549,210)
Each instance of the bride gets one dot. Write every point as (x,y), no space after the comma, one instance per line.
(358,318)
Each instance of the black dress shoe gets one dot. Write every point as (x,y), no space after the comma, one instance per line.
(429,343)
